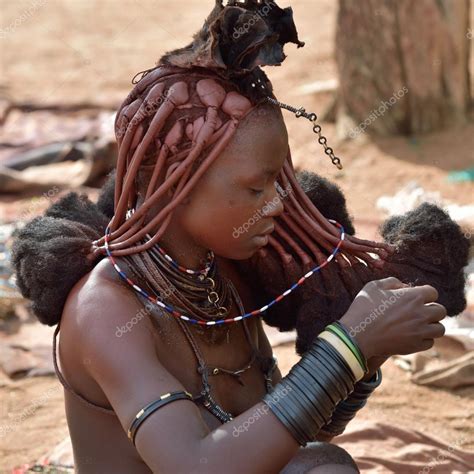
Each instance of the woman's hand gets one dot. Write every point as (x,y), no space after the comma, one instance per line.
(389,317)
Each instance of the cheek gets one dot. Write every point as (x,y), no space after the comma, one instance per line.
(215,223)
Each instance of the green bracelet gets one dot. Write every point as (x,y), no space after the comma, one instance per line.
(339,330)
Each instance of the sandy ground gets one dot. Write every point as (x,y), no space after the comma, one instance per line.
(83,50)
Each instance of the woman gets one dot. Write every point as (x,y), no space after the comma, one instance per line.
(162,352)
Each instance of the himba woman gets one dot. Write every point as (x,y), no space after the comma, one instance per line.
(162,353)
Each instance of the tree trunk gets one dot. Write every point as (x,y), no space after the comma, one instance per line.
(403,65)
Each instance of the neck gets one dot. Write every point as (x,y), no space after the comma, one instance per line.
(179,245)
(184,251)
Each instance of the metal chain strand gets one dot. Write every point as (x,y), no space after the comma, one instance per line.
(312,117)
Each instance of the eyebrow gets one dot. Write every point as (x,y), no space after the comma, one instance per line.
(270,172)
(266,172)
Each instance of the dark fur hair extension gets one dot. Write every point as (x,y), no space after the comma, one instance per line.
(49,257)
(442,240)
(50,254)
(78,208)
(105,202)
(431,249)
(328,198)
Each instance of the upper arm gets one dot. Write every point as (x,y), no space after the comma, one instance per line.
(131,376)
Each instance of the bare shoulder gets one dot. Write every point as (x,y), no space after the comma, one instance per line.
(97,310)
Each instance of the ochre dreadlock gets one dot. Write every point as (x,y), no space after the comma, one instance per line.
(205,117)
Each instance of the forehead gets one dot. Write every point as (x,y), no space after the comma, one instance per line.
(259,145)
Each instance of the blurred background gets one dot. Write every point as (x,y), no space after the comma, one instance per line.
(392,84)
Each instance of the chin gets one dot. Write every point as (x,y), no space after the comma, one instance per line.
(237,254)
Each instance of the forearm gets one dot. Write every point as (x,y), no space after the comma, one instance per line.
(301,404)
(237,446)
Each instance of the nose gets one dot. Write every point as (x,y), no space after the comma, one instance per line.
(274,207)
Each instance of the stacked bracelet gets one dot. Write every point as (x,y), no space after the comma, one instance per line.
(304,401)
(344,350)
(347,409)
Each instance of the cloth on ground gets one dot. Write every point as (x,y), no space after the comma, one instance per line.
(383,448)
(450,363)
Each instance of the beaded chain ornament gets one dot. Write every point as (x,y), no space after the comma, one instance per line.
(312,117)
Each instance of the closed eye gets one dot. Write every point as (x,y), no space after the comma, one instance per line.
(257,192)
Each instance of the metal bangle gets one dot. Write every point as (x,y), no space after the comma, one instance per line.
(335,357)
(333,370)
(340,378)
(284,415)
(152,407)
(302,414)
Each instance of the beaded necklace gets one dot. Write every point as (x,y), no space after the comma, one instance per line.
(191,320)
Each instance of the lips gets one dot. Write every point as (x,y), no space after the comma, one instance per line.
(269,231)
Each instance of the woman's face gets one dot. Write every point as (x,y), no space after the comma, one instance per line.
(232,208)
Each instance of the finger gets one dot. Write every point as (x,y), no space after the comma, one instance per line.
(428,293)
(434,331)
(425,345)
(435,312)
(391,283)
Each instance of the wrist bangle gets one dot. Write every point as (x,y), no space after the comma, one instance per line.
(310,419)
(304,401)
(368,387)
(335,384)
(325,406)
(342,329)
(342,348)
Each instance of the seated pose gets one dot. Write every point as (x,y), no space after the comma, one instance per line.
(158,291)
